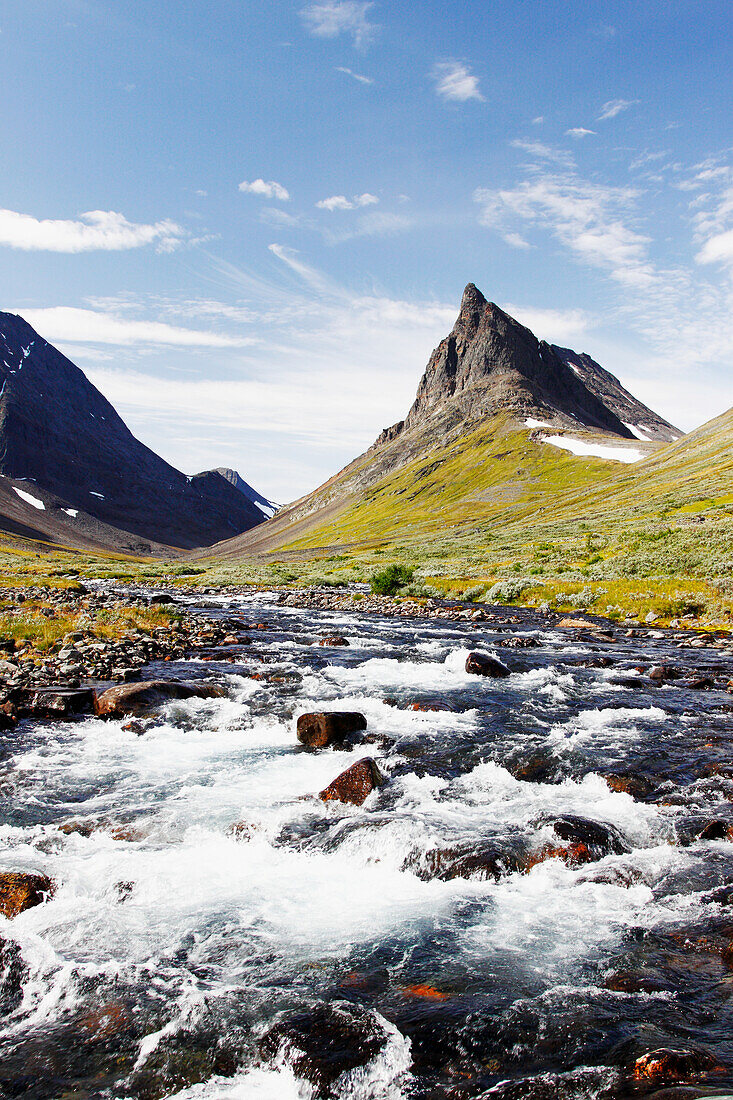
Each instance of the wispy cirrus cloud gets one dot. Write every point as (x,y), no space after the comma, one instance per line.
(544,152)
(579,132)
(340,202)
(95,231)
(455,82)
(359,77)
(331,18)
(267,189)
(614,107)
(66,324)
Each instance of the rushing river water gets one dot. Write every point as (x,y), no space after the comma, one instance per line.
(173,943)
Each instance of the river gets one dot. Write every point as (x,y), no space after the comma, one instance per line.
(204,894)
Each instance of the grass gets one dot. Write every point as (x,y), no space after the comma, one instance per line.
(497,517)
(39,626)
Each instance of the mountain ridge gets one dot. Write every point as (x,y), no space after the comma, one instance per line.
(58,431)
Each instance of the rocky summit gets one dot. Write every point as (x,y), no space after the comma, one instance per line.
(500,417)
(78,474)
(490,363)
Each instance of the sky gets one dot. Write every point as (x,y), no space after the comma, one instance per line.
(250,223)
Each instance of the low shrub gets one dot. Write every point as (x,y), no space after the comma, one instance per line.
(391,580)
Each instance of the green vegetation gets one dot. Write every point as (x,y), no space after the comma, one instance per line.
(497,517)
(392,580)
(38,625)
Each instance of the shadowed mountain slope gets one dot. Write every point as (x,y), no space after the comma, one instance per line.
(58,432)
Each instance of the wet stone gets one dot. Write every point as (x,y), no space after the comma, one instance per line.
(13,972)
(482,664)
(667,1065)
(139,698)
(20,890)
(318,730)
(480,862)
(355,784)
(325,1042)
(333,640)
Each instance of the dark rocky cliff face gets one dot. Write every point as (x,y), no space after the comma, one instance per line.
(489,363)
(58,430)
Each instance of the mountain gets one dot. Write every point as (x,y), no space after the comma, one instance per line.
(499,418)
(61,436)
(267,507)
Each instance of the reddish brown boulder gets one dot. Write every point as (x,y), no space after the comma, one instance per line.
(20,890)
(481,664)
(318,730)
(668,1065)
(333,640)
(355,784)
(138,699)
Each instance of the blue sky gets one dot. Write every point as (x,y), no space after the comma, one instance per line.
(250,223)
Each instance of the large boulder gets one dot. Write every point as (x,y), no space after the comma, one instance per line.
(138,699)
(355,784)
(322,1043)
(318,730)
(20,890)
(481,664)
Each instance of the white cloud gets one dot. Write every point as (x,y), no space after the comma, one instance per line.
(289,256)
(340,202)
(97,230)
(557,326)
(356,76)
(615,107)
(538,121)
(335,202)
(332,18)
(87,326)
(376,223)
(454,81)
(585,216)
(579,132)
(544,152)
(268,189)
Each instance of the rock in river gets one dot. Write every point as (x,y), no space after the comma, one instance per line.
(318,730)
(355,784)
(481,664)
(118,702)
(324,1042)
(20,890)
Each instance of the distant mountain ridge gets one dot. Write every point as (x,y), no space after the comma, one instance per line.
(267,507)
(59,432)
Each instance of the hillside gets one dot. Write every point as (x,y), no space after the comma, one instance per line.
(501,421)
(59,434)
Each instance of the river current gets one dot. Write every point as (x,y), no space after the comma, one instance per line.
(208,893)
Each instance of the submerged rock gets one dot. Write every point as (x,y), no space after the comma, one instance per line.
(317,730)
(13,972)
(480,862)
(138,699)
(325,1042)
(481,664)
(667,1065)
(20,890)
(355,784)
